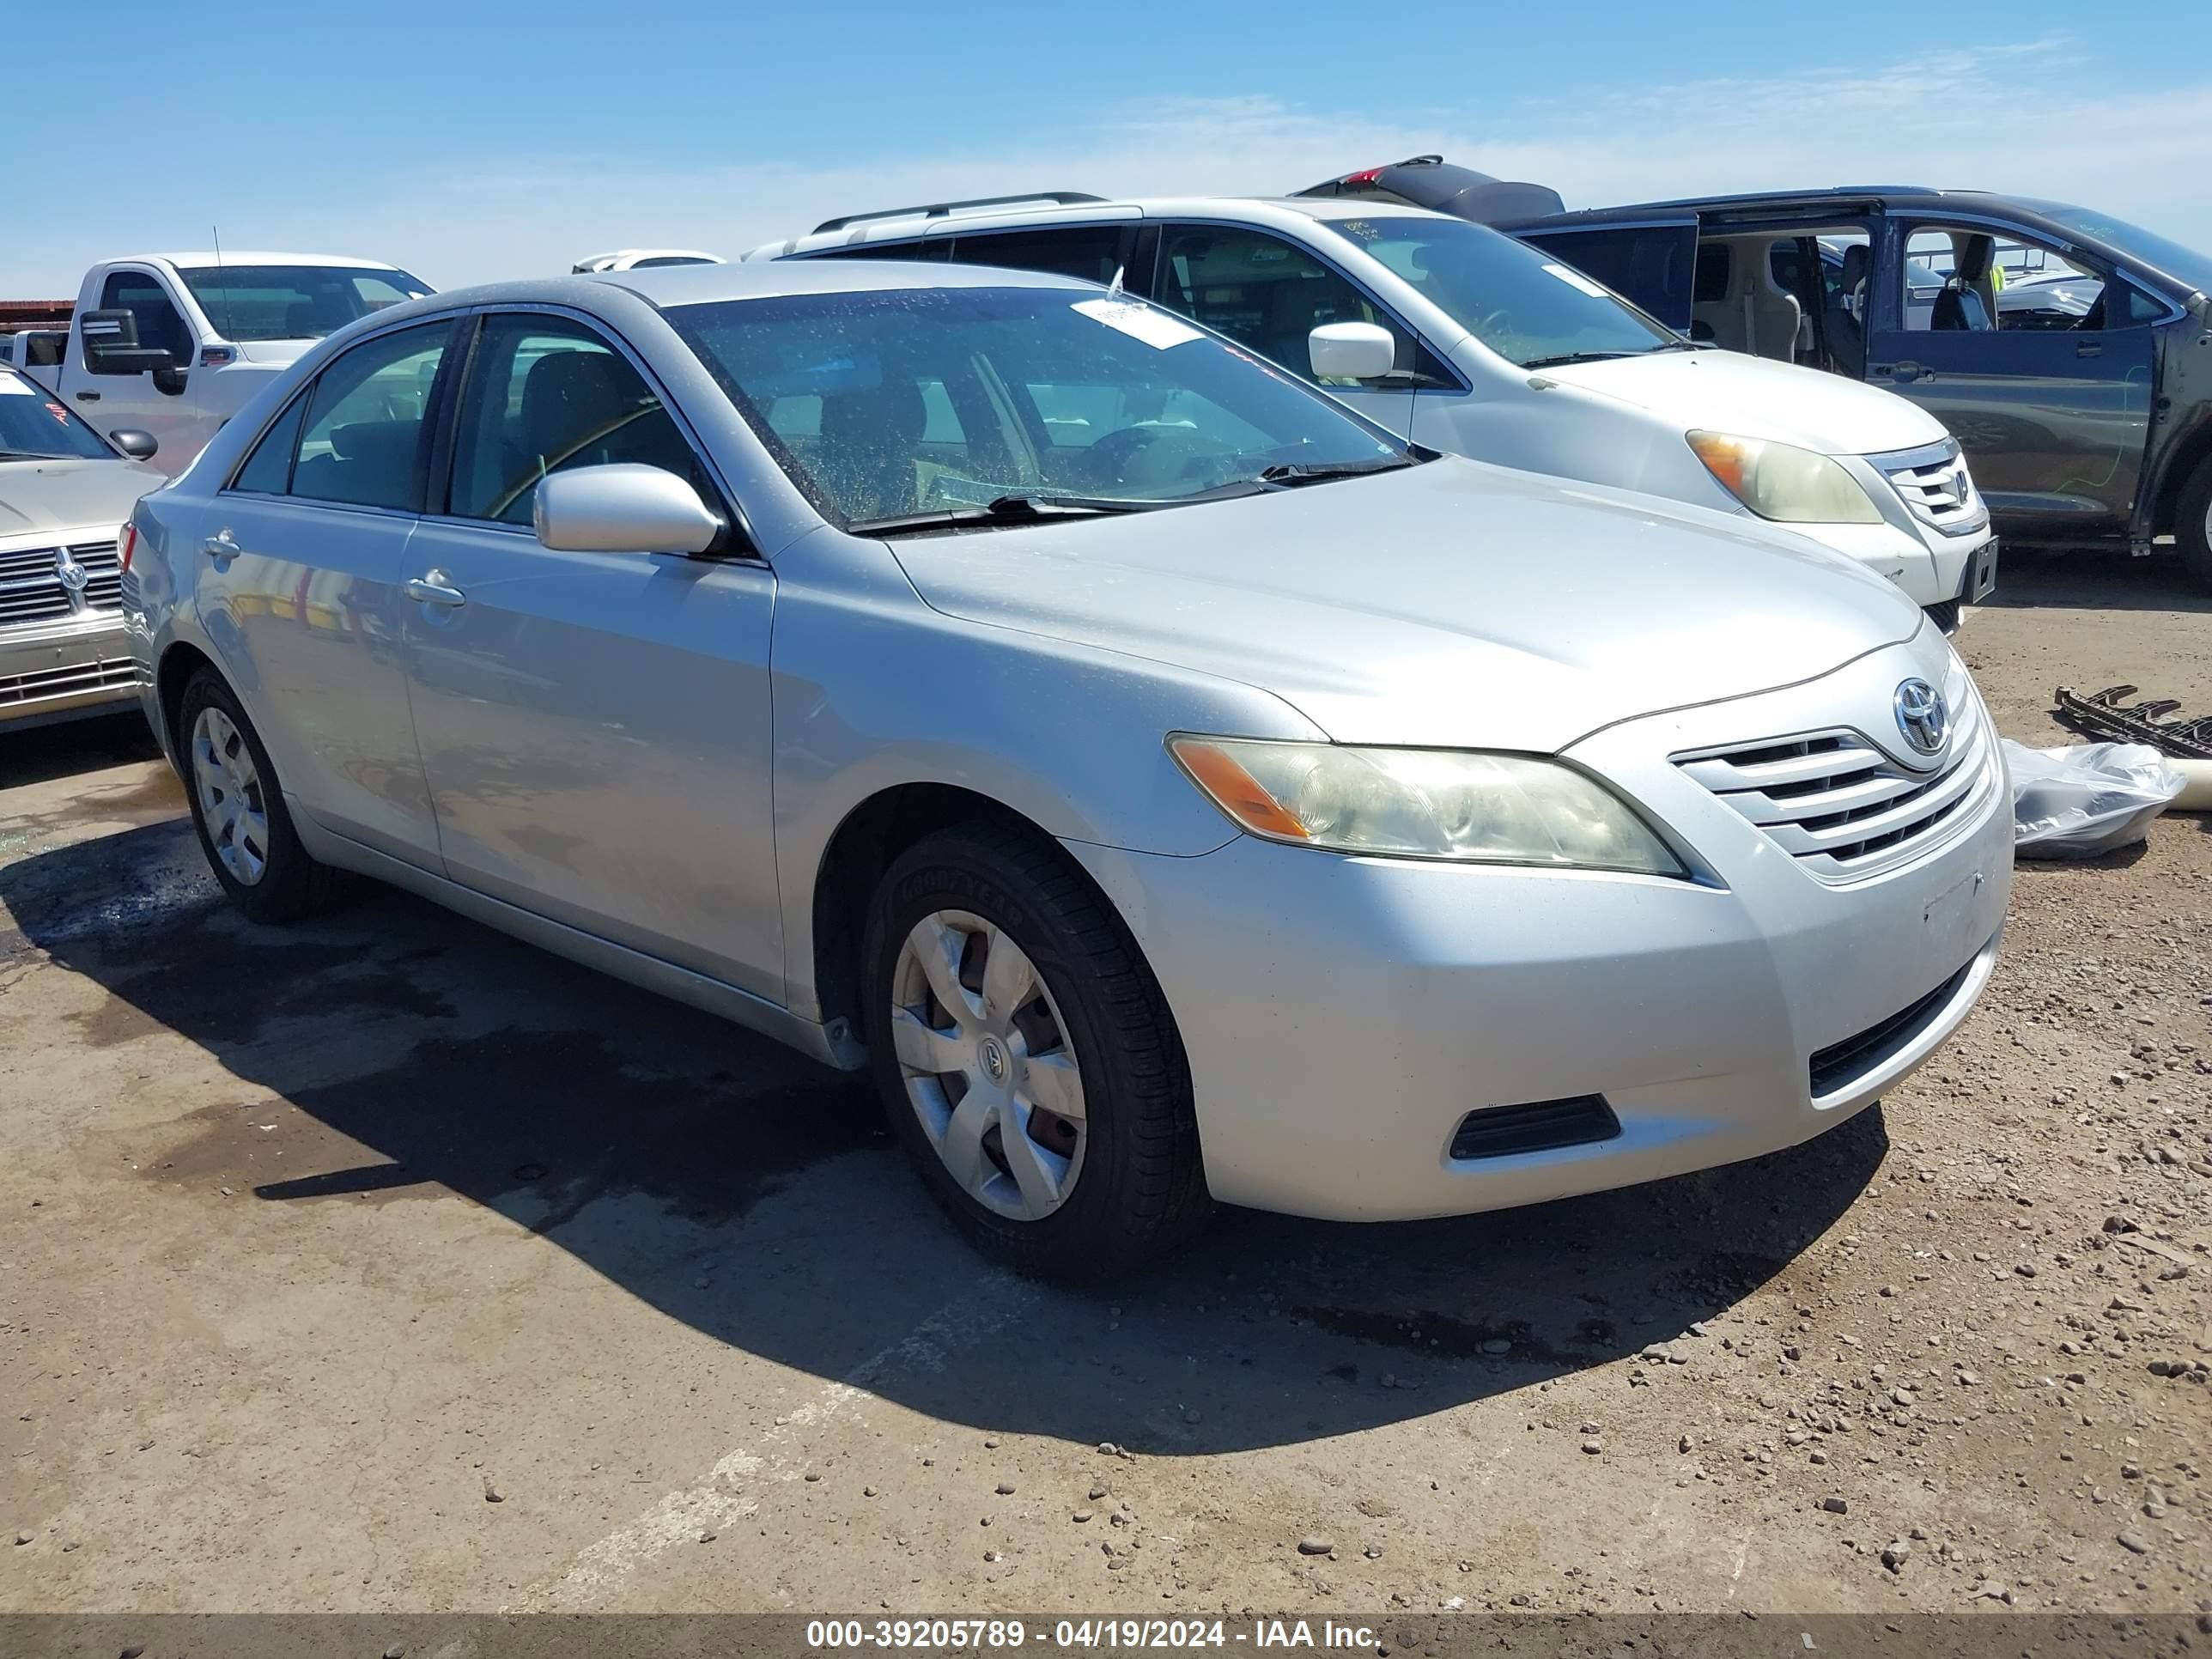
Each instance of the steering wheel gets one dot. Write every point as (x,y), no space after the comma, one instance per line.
(1108,460)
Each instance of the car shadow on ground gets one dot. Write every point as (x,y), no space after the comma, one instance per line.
(43,753)
(406,1054)
(2097,578)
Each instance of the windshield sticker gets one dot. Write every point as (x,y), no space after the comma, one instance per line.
(12,387)
(1574,279)
(58,411)
(1140,322)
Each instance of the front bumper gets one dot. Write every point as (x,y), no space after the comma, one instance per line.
(1342,1016)
(61,670)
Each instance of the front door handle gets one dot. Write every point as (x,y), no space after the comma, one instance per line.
(433,588)
(2088,348)
(87,396)
(220,546)
(1906,373)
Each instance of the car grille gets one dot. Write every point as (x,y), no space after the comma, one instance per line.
(32,589)
(1936,487)
(1838,1066)
(110,674)
(1843,809)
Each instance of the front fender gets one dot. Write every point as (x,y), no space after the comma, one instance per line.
(874,690)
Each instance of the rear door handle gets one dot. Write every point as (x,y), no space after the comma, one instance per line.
(433,588)
(2088,348)
(87,396)
(1906,373)
(220,546)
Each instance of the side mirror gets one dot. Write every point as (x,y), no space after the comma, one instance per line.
(111,346)
(137,444)
(169,379)
(1351,351)
(623,509)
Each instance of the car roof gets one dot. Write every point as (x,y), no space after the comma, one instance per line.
(982,219)
(253,257)
(684,285)
(1750,203)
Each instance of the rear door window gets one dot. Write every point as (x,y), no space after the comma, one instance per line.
(1094,252)
(364,442)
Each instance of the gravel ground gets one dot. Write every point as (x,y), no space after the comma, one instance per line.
(387,1264)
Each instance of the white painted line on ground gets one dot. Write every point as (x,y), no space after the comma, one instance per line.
(727,1494)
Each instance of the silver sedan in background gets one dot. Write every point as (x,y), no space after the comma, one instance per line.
(1170,784)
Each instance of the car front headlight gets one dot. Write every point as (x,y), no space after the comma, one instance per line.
(1424,803)
(1783,483)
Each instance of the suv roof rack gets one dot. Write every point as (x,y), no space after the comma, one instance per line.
(939,210)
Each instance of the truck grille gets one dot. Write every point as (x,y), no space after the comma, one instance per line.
(110,674)
(32,589)
(1843,809)
(1936,487)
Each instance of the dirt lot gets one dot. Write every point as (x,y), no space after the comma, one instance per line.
(386,1265)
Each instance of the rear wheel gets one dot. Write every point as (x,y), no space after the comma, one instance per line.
(2192,524)
(1026,1057)
(238,808)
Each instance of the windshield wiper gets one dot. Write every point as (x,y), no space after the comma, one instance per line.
(1288,474)
(37,455)
(1680,345)
(1566,357)
(1005,510)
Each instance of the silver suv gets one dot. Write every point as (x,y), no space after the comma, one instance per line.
(1170,784)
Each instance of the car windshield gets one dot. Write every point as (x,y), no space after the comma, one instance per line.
(2158,251)
(34,425)
(294,302)
(884,404)
(1524,305)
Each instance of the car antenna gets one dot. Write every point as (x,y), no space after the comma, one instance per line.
(229,329)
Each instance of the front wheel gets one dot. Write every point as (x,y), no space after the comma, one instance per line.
(238,808)
(1026,1057)
(2192,524)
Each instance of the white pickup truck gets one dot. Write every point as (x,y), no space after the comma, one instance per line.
(175,343)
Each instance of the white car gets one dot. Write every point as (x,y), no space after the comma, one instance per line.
(1456,337)
(1168,782)
(642,258)
(174,344)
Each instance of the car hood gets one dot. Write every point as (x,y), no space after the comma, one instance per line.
(1454,604)
(43,497)
(1757,398)
(275,352)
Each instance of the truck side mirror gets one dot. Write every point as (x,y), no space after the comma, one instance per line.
(111,346)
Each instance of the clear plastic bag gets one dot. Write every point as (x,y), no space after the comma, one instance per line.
(2086,799)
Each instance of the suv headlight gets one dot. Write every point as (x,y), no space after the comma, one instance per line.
(1783,483)
(1423,803)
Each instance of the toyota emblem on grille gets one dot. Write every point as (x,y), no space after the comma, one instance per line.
(73,576)
(1921,716)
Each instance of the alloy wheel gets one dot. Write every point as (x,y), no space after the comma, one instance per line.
(988,1067)
(232,805)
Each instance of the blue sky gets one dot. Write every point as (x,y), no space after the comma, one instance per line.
(482,140)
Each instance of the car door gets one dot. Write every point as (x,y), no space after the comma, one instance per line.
(300,556)
(1269,295)
(595,726)
(1650,263)
(113,401)
(2054,422)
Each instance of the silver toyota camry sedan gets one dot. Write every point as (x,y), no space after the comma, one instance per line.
(1169,785)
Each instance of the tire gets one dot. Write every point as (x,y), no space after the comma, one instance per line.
(255,852)
(2192,524)
(1130,1177)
